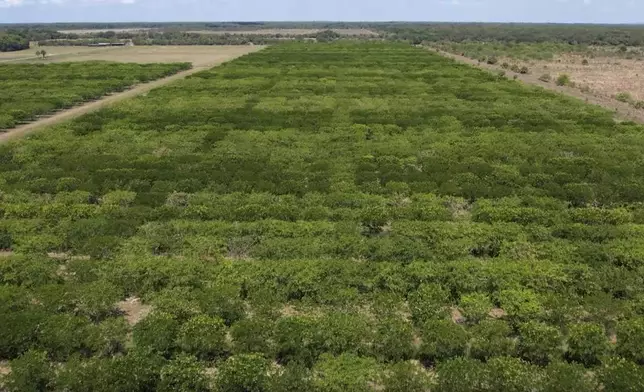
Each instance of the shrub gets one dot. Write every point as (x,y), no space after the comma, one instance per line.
(491,338)
(183,374)
(520,304)
(505,65)
(492,60)
(545,78)
(428,302)
(475,306)
(562,80)
(293,377)
(524,70)
(624,97)
(584,62)
(562,376)
(31,372)
(515,68)
(630,335)
(157,332)
(638,105)
(253,336)
(407,377)
(461,375)
(243,373)
(511,374)
(587,343)
(393,340)
(203,336)
(540,343)
(346,372)
(619,375)
(443,339)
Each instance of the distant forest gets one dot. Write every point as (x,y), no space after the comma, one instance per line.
(17,36)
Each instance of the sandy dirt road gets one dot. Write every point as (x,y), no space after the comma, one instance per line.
(136,90)
(623,111)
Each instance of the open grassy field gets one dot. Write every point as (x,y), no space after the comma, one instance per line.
(327,217)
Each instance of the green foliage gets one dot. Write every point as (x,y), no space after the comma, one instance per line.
(407,377)
(520,304)
(562,80)
(475,306)
(32,372)
(203,337)
(491,338)
(624,97)
(183,374)
(587,343)
(346,372)
(562,376)
(461,375)
(443,339)
(30,90)
(428,302)
(157,332)
(540,343)
(243,373)
(630,334)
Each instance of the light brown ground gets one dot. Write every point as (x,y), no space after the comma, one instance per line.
(622,110)
(605,76)
(134,310)
(4,368)
(197,55)
(52,51)
(202,59)
(348,32)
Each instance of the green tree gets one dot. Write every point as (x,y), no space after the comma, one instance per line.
(442,339)
(540,343)
(587,343)
(491,338)
(630,335)
(31,372)
(203,336)
(243,373)
(407,377)
(183,374)
(157,332)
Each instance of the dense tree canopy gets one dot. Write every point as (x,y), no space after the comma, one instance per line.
(327,217)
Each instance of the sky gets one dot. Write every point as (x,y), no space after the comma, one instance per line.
(555,11)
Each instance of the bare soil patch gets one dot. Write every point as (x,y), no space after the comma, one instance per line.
(134,310)
(201,61)
(4,368)
(623,111)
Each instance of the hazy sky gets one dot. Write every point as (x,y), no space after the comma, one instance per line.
(591,11)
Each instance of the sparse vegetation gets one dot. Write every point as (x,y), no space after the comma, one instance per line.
(563,80)
(545,78)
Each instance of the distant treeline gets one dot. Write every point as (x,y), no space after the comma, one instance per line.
(175,33)
(18,38)
(632,35)
(188,38)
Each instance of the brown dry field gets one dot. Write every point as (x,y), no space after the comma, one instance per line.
(623,111)
(605,76)
(52,51)
(197,55)
(202,58)
(347,32)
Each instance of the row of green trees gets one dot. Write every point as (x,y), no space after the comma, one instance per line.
(30,90)
(327,213)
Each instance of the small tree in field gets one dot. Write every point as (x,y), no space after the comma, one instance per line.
(42,53)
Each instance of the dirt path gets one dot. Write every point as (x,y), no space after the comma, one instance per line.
(623,111)
(88,107)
